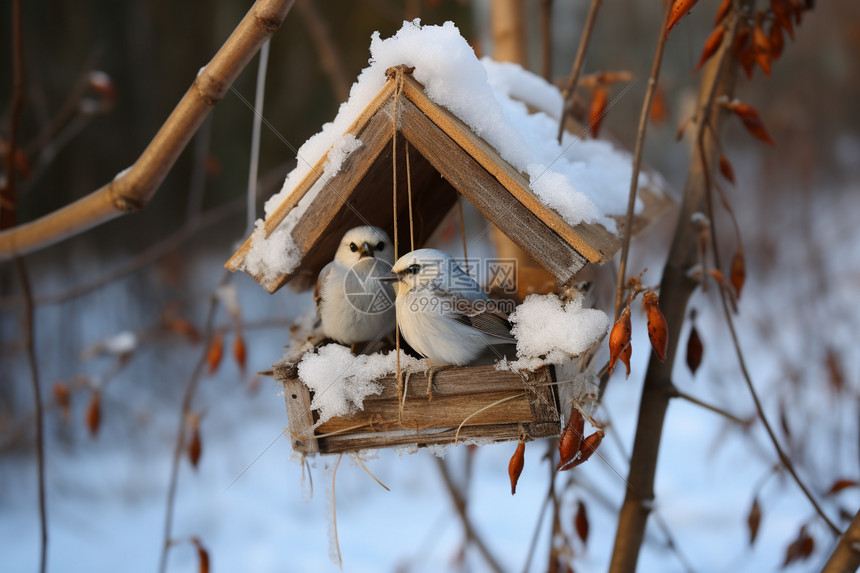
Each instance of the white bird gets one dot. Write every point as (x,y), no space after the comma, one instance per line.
(442,312)
(354,306)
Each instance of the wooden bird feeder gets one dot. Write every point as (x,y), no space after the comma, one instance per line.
(446,158)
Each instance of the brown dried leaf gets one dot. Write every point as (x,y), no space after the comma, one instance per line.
(571,438)
(589,446)
(581,521)
(599,103)
(841,484)
(800,549)
(619,338)
(239,351)
(711,44)
(782,12)
(777,42)
(695,350)
(834,370)
(194,445)
(754,520)
(182,326)
(659,108)
(202,556)
(680,8)
(215,352)
(751,120)
(738,273)
(762,44)
(723,11)
(94,413)
(515,466)
(658,330)
(726,169)
(625,358)
(63,398)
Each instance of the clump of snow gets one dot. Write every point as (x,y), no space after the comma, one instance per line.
(583,180)
(341,381)
(276,255)
(550,331)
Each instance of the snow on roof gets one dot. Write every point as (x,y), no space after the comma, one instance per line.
(583,180)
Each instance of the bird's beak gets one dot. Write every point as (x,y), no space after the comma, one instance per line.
(365,250)
(389,278)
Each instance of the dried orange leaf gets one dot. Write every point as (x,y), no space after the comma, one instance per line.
(599,103)
(625,358)
(658,330)
(63,398)
(751,120)
(777,42)
(680,8)
(581,521)
(841,484)
(589,446)
(239,351)
(215,352)
(571,438)
(94,413)
(834,370)
(695,350)
(194,446)
(619,338)
(184,327)
(762,44)
(711,44)
(782,11)
(726,169)
(515,466)
(754,520)
(800,549)
(738,272)
(659,108)
(202,556)
(723,11)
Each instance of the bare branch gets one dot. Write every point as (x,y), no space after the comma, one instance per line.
(577,63)
(132,189)
(846,556)
(637,156)
(675,393)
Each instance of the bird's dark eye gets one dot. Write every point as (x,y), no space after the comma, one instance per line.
(380,246)
(353,247)
(413,269)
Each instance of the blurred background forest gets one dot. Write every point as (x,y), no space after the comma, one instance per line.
(149,275)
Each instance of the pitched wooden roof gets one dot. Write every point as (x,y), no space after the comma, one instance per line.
(445,157)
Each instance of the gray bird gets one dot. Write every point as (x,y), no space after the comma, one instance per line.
(354,306)
(442,312)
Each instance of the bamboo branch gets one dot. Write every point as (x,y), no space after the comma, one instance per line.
(637,156)
(676,287)
(577,64)
(460,506)
(132,189)
(846,556)
(209,331)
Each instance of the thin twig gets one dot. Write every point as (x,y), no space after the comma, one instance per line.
(577,64)
(460,506)
(637,156)
(675,393)
(30,337)
(334,512)
(132,189)
(180,437)
(782,455)
(546,38)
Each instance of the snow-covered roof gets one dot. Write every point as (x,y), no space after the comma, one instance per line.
(503,116)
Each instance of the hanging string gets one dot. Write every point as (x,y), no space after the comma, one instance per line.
(409,199)
(397,92)
(463,233)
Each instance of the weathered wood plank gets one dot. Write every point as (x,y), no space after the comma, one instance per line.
(453,382)
(484,191)
(301,421)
